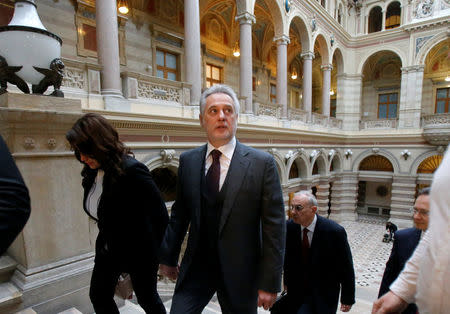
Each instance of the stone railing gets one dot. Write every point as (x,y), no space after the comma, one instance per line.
(436,128)
(271,110)
(298,114)
(378,124)
(318,119)
(335,123)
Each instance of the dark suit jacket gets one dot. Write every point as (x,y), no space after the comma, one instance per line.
(251,228)
(405,242)
(330,270)
(132,217)
(14,199)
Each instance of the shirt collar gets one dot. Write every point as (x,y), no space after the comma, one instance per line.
(227,150)
(312,226)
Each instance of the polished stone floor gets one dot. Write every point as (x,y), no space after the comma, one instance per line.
(369,257)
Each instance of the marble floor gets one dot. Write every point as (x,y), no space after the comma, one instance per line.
(369,257)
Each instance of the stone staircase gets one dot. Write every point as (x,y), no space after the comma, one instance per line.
(9,293)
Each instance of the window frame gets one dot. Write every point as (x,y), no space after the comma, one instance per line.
(210,79)
(166,69)
(447,104)
(387,103)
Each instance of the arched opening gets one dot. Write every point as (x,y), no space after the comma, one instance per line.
(430,164)
(166,181)
(293,172)
(393,14)
(375,191)
(381,90)
(375,20)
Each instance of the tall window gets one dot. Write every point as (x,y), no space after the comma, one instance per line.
(166,65)
(6,11)
(387,106)
(442,99)
(375,17)
(213,75)
(333,107)
(393,15)
(273,93)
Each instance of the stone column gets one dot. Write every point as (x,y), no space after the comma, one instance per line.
(192,49)
(348,101)
(323,190)
(348,191)
(337,191)
(282,43)
(410,104)
(366,24)
(326,74)
(383,21)
(108,47)
(307,82)
(245,75)
(402,198)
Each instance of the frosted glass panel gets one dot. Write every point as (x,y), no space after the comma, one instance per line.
(160,73)
(382,111)
(392,111)
(171,76)
(440,106)
(159,57)
(216,73)
(171,61)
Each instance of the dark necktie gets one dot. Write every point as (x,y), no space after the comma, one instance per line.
(305,246)
(213,174)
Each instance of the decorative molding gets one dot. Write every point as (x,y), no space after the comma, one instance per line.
(245,18)
(154,91)
(29,143)
(282,40)
(420,42)
(74,78)
(424,9)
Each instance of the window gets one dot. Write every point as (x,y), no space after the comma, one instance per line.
(387,106)
(375,17)
(254,83)
(333,107)
(442,99)
(6,11)
(166,65)
(273,93)
(393,15)
(213,75)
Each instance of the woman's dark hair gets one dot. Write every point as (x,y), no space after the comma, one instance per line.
(92,135)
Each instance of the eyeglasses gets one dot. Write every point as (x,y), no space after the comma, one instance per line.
(297,207)
(421,212)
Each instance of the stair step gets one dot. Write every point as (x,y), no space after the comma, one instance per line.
(71,311)
(7,267)
(9,294)
(27,311)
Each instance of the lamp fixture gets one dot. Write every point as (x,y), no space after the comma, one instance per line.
(348,153)
(313,154)
(405,153)
(294,74)
(122,6)
(331,92)
(236,51)
(447,79)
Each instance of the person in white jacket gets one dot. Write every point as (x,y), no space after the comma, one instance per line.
(424,280)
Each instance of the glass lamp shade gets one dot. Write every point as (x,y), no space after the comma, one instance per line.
(25,42)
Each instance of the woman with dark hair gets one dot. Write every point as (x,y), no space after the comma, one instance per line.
(120,194)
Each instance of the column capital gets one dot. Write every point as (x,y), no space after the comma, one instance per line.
(245,18)
(413,68)
(282,40)
(326,67)
(307,55)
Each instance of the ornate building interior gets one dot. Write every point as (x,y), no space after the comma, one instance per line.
(351,97)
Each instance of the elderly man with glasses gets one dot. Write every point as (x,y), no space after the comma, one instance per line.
(318,261)
(405,243)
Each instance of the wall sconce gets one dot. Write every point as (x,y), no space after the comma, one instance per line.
(289,154)
(313,154)
(122,6)
(294,73)
(348,153)
(405,153)
(331,92)
(236,51)
(331,153)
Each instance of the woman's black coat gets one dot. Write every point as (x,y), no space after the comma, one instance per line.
(132,216)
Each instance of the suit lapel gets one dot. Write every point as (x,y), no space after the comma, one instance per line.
(316,238)
(233,181)
(196,162)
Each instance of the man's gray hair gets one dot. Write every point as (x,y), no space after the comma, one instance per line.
(311,197)
(219,88)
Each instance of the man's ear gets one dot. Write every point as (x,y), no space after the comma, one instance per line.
(314,208)
(200,117)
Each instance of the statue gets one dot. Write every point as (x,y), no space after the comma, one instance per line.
(8,75)
(53,76)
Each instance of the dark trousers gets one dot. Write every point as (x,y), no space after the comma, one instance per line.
(197,290)
(104,280)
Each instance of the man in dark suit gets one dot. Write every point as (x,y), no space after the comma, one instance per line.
(318,261)
(14,199)
(405,242)
(230,195)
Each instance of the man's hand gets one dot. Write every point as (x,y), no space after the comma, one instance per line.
(170,272)
(345,307)
(266,299)
(389,303)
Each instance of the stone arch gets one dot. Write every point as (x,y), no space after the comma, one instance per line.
(429,44)
(323,46)
(164,169)
(391,17)
(276,10)
(279,162)
(373,51)
(375,19)
(301,164)
(299,19)
(336,162)
(382,152)
(321,161)
(422,157)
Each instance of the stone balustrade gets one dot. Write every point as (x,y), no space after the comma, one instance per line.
(378,124)
(436,128)
(298,115)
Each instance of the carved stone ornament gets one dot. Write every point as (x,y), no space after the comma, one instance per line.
(167,155)
(375,150)
(29,143)
(424,9)
(313,23)
(51,143)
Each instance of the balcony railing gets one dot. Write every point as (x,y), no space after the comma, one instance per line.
(378,124)
(438,119)
(298,115)
(436,128)
(271,110)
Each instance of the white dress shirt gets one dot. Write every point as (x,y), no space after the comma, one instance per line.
(93,197)
(426,275)
(227,151)
(311,228)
